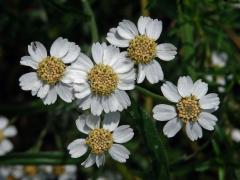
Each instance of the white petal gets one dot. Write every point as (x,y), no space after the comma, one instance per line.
(194,131)
(77,148)
(113,103)
(70,168)
(123,99)
(92,121)
(111,120)
(65,92)
(72,53)
(170,91)
(209,101)
(100,160)
(154,29)
(124,67)
(3,122)
(85,103)
(130,26)
(199,89)
(37,51)
(127,29)
(83,63)
(127,80)
(51,96)
(166,51)
(60,47)
(114,38)
(172,127)
(142,24)
(207,120)
(10,131)
(89,161)
(163,112)
(82,90)
(81,124)
(6,145)
(30,81)
(72,75)
(109,54)
(119,153)
(153,72)
(97,52)
(123,134)
(43,91)
(96,106)
(28,61)
(141,74)
(185,85)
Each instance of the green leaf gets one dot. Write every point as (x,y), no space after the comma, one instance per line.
(153,142)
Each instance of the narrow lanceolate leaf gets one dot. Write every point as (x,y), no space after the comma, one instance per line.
(153,142)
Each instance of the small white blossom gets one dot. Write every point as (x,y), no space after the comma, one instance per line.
(192,110)
(142,47)
(101,140)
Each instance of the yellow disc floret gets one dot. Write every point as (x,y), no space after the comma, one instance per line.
(30,170)
(51,69)
(142,49)
(2,136)
(100,140)
(188,109)
(58,170)
(102,80)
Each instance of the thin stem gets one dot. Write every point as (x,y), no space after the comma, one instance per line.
(93,24)
(149,93)
(52,158)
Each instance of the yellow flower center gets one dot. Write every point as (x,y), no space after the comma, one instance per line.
(30,170)
(2,136)
(102,79)
(51,70)
(142,49)
(58,170)
(10,177)
(100,140)
(188,109)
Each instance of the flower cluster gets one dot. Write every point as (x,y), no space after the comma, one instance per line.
(99,84)
(61,172)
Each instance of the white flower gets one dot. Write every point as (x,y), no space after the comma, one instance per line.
(101,85)
(219,59)
(5,133)
(193,108)
(11,172)
(100,140)
(141,46)
(27,172)
(235,134)
(50,78)
(62,172)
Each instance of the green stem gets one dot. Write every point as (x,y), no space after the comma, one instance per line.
(149,93)
(93,24)
(52,158)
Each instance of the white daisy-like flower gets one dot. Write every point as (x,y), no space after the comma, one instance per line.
(101,85)
(192,110)
(235,134)
(11,172)
(49,78)
(5,133)
(27,172)
(101,140)
(219,59)
(62,172)
(142,47)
